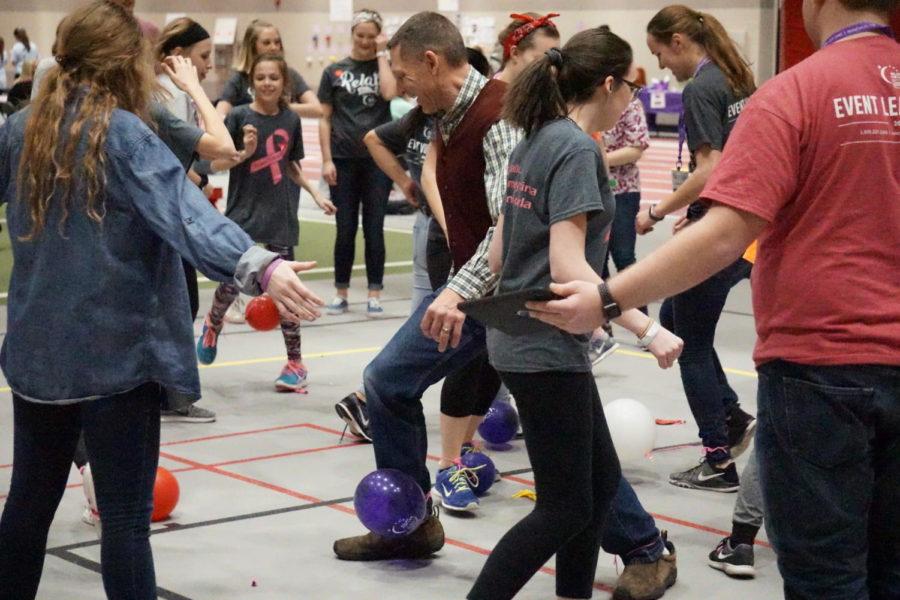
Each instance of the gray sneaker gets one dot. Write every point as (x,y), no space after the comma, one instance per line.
(190,414)
(601,348)
(707,477)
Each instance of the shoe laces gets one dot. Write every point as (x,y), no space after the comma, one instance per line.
(374,303)
(294,367)
(464,477)
(210,335)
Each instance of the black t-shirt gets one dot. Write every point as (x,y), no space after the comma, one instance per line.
(262,198)
(710,111)
(396,136)
(352,88)
(238,91)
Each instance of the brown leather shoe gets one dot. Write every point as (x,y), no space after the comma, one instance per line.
(427,539)
(648,581)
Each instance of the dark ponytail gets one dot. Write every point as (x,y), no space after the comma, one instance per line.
(544,89)
(706,30)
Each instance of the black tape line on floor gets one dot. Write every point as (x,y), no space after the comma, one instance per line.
(236,518)
(90,565)
(245,517)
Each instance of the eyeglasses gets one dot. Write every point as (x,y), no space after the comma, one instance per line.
(635,88)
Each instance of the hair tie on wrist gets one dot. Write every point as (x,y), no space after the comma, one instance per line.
(556,57)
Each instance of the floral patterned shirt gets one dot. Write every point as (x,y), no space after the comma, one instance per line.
(631,130)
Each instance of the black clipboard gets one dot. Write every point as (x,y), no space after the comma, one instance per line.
(501,311)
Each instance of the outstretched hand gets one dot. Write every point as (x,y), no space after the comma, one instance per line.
(294,300)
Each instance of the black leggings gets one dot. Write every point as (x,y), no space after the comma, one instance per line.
(471,390)
(576,474)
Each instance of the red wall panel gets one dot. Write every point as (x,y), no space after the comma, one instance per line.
(794,43)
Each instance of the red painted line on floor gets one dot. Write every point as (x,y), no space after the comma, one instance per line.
(239,477)
(222,436)
(660,517)
(338,507)
(241,461)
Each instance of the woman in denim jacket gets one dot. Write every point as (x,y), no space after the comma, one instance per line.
(99,211)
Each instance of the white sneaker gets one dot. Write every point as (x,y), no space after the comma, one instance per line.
(374,309)
(235,312)
(91,515)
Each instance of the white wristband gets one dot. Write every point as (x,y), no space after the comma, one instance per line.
(382,53)
(651,334)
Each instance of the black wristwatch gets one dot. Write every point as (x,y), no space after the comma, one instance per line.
(652,216)
(611,308)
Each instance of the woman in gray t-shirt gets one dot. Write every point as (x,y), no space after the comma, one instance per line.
(554,225)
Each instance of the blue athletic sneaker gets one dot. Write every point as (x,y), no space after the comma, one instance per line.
(338,306)
(452,487)
(207,345)
(292,378)
(374,309)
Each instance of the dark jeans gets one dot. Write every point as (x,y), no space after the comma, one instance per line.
(407,366)
(576,474)
(693,315)
(828,445)
(122,437)
(359,182)
(622,235)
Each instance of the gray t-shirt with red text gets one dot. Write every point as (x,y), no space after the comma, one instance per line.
(554,174)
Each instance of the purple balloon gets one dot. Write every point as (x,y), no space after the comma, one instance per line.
(500,423)
(483,469)
(389,503)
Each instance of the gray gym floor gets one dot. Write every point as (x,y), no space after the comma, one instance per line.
(268,486)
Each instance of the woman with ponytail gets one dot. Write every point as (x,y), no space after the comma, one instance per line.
(98,212)
(553,226)
(696,48)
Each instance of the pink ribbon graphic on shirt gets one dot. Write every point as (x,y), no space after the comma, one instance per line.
(273,155)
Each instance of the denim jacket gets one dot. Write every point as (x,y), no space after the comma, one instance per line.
(99,309)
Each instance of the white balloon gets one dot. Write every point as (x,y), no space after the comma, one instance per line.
(632,427)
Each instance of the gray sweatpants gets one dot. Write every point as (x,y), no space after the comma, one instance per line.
(748,509)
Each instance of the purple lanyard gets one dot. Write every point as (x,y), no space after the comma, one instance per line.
(857,28)
(682,129)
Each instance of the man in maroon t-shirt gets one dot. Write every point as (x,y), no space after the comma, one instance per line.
(813,170)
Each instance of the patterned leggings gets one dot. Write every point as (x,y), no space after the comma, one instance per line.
(226,294)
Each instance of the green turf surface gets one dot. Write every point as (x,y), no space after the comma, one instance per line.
(316,243)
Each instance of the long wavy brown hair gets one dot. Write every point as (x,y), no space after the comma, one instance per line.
(103,64)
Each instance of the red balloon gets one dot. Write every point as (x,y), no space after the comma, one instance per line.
(262,314)
(165,495)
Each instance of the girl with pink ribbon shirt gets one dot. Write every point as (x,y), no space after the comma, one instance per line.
(263,197)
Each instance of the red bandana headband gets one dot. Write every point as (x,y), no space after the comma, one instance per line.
(520,32)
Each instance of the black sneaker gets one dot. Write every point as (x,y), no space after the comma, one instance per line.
(707,477)
(741,428)
(353,412)
(427,539)
(734,562)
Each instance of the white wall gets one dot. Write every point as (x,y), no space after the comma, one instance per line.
(751,21)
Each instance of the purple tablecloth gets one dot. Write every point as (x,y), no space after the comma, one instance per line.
(668,101)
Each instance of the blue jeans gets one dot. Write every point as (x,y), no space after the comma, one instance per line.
(693,315)
(622,235)
(359,183)
(395,382)
(122,437)
(828,444)
(630,532)
(421,286)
